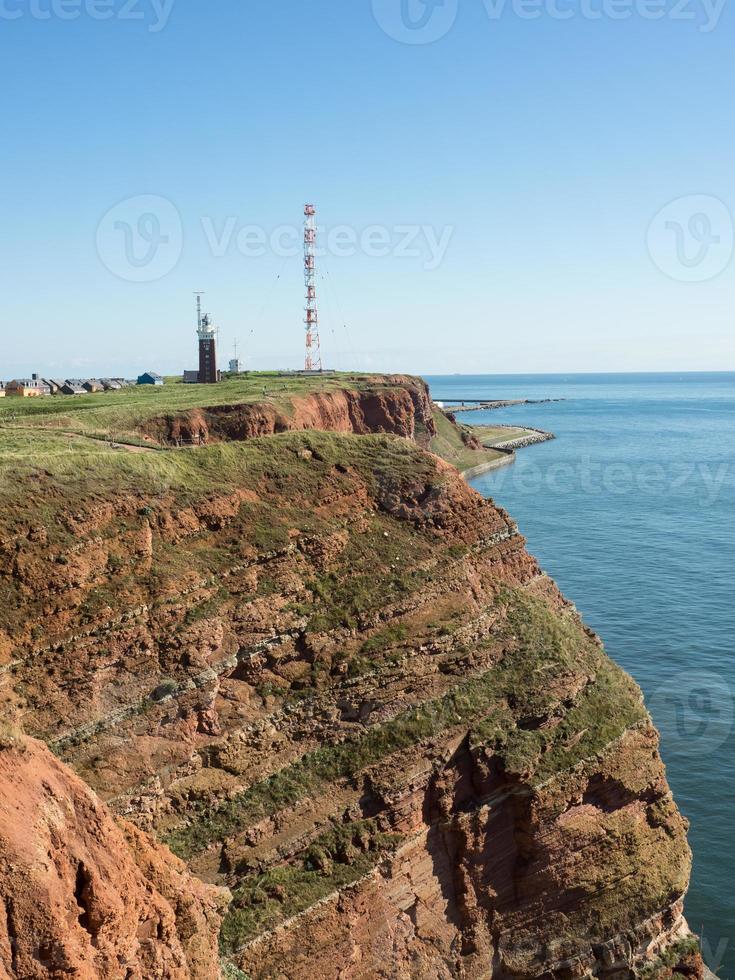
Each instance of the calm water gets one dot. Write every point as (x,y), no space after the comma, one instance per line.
(632,511)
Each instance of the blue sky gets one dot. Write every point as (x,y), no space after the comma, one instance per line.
(524,162)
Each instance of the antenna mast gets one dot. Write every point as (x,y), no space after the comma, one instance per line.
(313,360)
(199,309)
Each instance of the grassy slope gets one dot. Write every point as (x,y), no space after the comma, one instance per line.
(449,445)
(64,438)
(37,487)
(53,436)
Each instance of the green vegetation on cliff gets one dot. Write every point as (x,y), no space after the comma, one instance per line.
(41,484)
(337,858)
(451,443)
(122,411)
(503,709)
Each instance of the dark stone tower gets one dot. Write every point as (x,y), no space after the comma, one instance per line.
(208,374)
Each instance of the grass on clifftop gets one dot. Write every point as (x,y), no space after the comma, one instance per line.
(116,412)
(93,441)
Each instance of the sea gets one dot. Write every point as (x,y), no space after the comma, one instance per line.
(631,509)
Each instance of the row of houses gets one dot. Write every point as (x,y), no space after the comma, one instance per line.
(36,386)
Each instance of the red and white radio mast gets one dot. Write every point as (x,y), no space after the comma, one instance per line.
(313,349)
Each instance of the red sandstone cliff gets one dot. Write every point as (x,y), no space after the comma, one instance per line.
(329,674)
(401,408)
(85,896)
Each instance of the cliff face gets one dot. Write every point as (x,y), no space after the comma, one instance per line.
(331,678)
(402,408)
(85,896)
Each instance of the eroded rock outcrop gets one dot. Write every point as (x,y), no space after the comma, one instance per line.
(86,896)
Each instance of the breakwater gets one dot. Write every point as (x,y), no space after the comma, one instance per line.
(475,405)
(532,437)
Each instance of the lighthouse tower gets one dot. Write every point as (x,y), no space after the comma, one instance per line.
(208,373)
